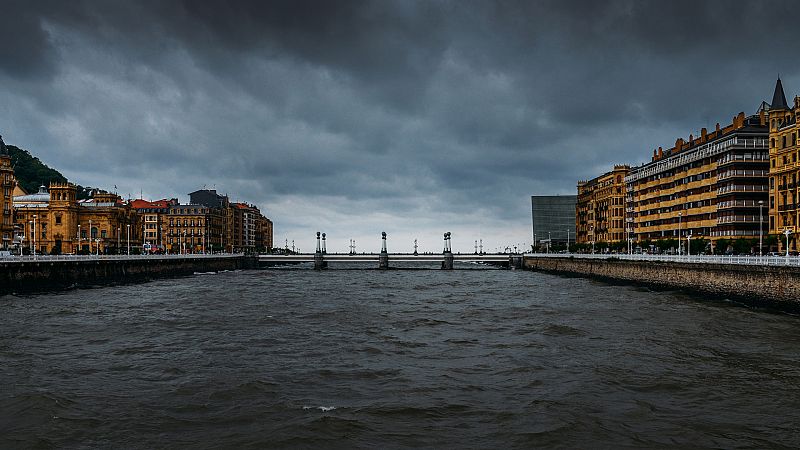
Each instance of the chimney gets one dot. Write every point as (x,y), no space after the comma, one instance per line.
(660,152)
(717,127)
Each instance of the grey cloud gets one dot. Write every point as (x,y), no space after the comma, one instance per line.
(401,112)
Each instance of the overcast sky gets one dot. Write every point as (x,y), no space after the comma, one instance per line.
(356,117)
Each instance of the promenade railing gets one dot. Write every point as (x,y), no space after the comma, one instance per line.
(702,259)
(48,258)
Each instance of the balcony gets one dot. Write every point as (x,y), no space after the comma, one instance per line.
(738,219)
(787,207)
(731,158)
(741,188)
(739,204)
(742,174)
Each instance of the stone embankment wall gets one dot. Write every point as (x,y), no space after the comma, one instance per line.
(772,286)
(45,275)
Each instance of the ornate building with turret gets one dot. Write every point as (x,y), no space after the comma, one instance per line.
(783,167)
(54,221)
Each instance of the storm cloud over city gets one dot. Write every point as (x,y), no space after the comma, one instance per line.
(356,117)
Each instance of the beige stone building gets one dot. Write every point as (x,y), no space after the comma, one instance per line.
(54,221)
(7,185)
(600,208)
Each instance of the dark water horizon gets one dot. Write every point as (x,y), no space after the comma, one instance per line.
(365,359)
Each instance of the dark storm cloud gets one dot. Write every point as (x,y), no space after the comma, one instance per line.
(419,114)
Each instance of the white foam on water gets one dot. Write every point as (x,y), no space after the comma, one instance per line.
(321,408)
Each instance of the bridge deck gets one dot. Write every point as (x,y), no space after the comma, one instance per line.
(373,257)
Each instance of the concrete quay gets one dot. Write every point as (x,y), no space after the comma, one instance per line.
(763,282)
(47,273)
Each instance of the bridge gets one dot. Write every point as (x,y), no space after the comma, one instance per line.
(321,257)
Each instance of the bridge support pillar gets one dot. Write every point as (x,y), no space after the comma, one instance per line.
(319,260)
(515,261)
(447,263)
(383,258)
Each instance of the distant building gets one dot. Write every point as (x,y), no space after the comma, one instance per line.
(209,197)
(600,210)
(154,217)
(7,184)
(63,224)
(553,218)
(194,228)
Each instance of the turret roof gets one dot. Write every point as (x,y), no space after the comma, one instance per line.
(779,98)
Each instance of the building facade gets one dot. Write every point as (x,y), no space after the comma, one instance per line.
(194,228)
(709,186)
(784,169)
(7,185)
(54,221)
(553,218)
(600,208)
(153,215)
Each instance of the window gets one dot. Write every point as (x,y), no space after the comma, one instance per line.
(103,234)
(58,220)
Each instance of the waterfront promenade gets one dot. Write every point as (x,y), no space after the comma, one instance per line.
(43,273)
(701,259)
(758,281)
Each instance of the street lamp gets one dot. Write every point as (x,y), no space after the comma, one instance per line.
(79,239)
(90,237)
(33,235)
(786,232)
(688,246)
(760,228)
(680,214)
(97,245)
(118,237)
(591,229)
(128,229)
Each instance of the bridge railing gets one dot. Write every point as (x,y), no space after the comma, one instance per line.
(707,259)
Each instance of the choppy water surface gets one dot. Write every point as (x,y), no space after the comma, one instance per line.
(376,359)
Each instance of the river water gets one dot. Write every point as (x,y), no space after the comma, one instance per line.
(371,359)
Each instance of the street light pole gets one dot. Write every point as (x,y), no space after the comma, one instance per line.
(688,246)
(760,228)
(128,230)
(680,214)
(786,232)
(79,239)
(34,236)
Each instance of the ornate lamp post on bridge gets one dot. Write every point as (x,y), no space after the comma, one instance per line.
(680,214)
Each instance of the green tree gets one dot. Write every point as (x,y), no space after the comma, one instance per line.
(743,246)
